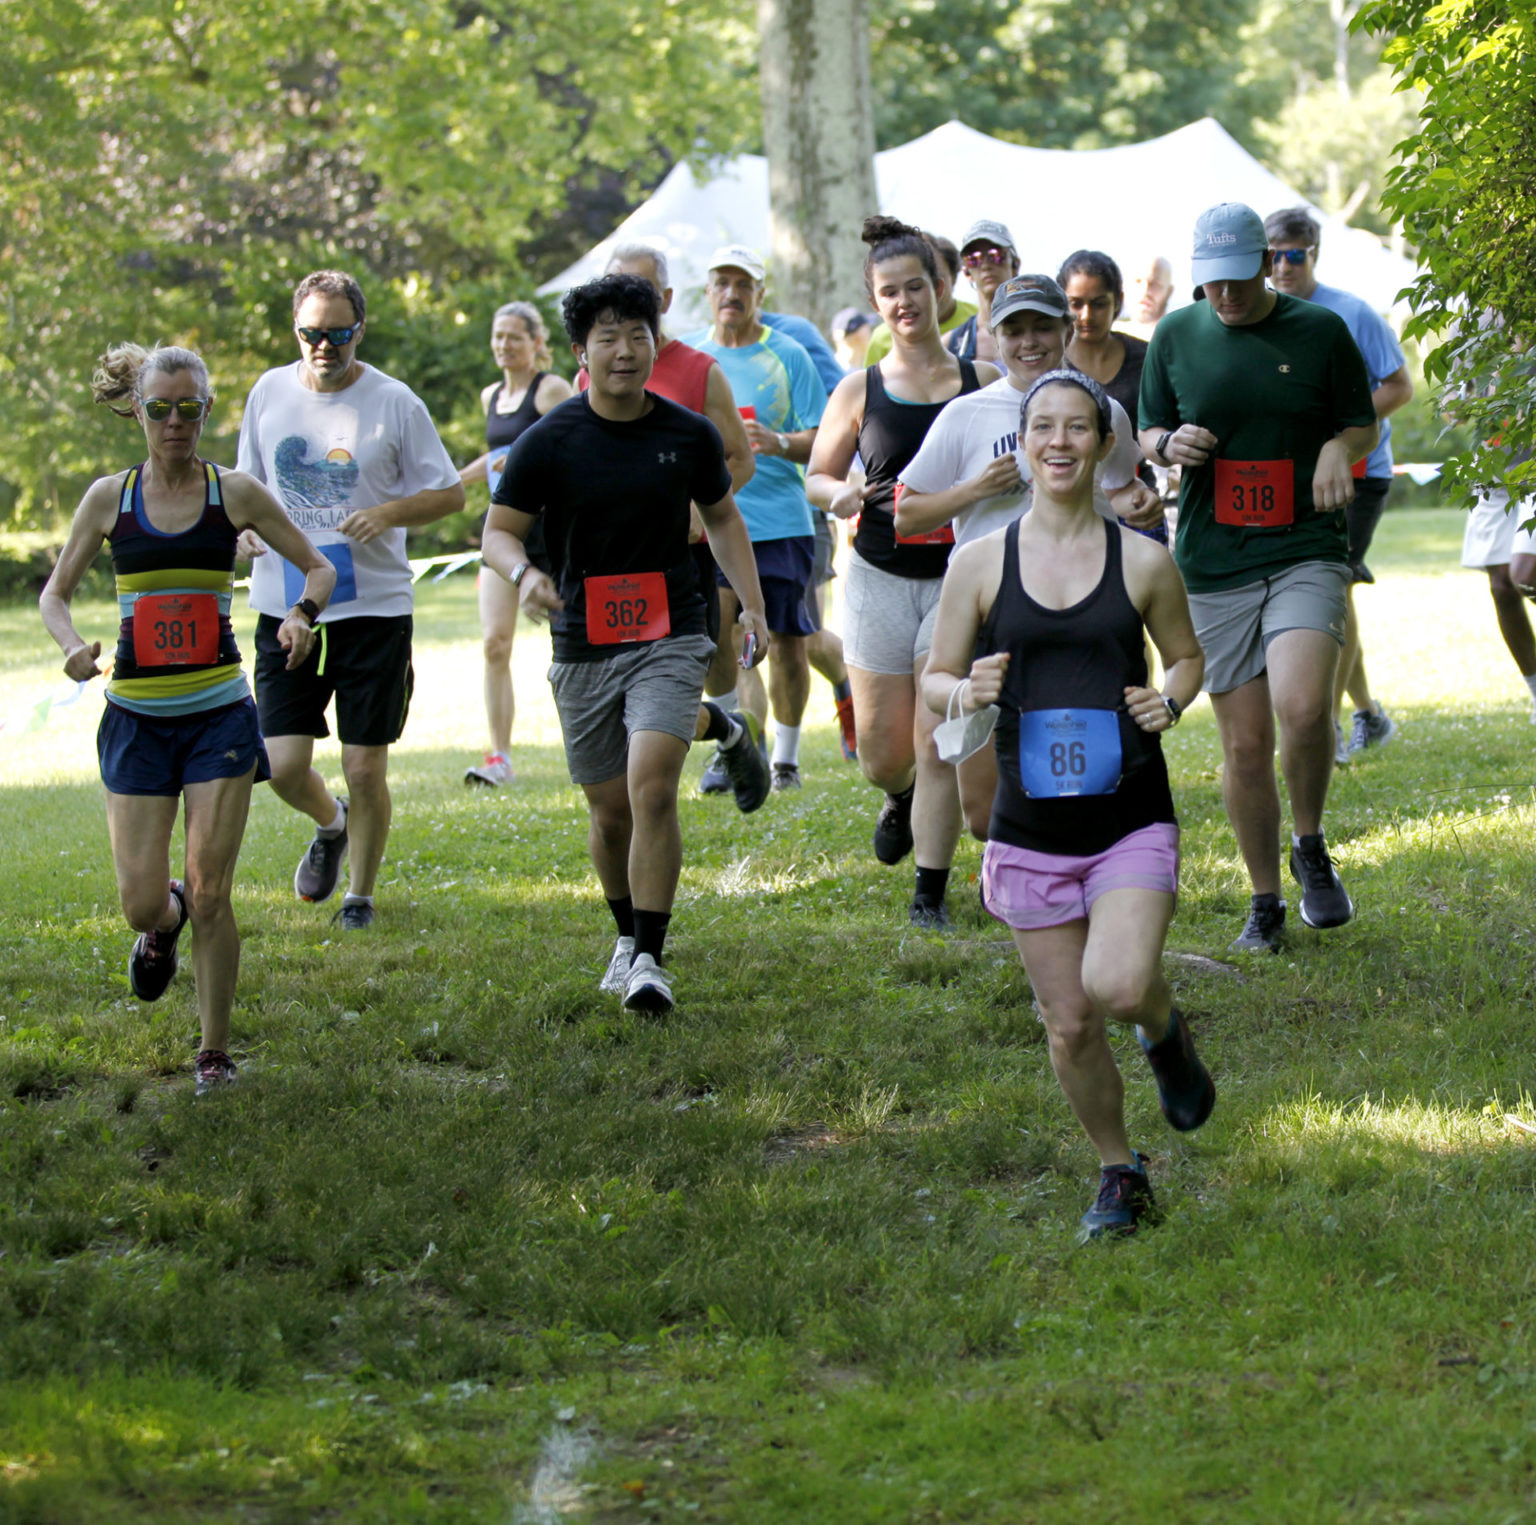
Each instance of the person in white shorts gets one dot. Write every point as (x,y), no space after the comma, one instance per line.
(1495,543)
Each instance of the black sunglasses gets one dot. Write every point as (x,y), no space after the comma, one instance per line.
(1291,256)
(159,408)
(336,337)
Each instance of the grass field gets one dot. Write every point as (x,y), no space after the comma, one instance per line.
(470,1244)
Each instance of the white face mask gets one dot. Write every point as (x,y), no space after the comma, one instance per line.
(962,735)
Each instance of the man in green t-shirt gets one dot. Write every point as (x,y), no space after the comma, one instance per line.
(1264,402)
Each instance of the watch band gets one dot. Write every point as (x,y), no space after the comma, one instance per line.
(1175,710)
(784,445)
(1162,444)
(519,573)
(309,609)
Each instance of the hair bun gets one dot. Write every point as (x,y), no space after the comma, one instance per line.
(878,229)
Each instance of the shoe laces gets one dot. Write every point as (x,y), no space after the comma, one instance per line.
(213,1062)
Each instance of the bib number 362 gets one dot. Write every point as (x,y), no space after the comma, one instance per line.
(175,629)
(1255,494)
(1069,752)
(626,607)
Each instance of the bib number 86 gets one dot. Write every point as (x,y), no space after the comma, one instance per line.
(1068,759)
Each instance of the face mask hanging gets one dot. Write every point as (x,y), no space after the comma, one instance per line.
(962,735)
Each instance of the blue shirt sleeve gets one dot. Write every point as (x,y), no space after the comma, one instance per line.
(807,396)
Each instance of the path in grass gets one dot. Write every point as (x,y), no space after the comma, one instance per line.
(470,1244)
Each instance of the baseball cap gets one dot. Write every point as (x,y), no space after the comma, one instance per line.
(849,320)
(985,232)
(739,257)
(1028,293)
(1230,243)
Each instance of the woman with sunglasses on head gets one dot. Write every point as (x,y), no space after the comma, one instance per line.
(179,721)
(892,592)
(1047,620)
(528,389)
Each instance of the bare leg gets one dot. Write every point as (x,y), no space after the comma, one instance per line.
(1248,787)
(1301,666)
(498,626)
(295,781)
(1514,620)
(610,830)
(789,678)
(887,714)
(977,778)
(369,809)
(656,848)
(824,651)
(936,805)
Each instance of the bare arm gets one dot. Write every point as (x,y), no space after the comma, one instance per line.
(1164,608)
(1333,487)
(918,512)
(720,409)
(424,507)
(502,549)
(794,447)
(827,481)
(970,585)
(732,548)
(1394,391)
(1188,444)
(90,526)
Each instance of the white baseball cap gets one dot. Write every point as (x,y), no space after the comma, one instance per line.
(739,257)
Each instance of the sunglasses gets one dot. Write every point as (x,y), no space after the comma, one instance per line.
(335,337)
(974,257)
(160,408)
(1292,256)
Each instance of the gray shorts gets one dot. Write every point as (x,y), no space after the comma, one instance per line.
(1236,625)
(888,620)
(651,687)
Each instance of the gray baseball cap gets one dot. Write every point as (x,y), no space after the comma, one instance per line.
(1230,243)
(985,232)
(1028,293)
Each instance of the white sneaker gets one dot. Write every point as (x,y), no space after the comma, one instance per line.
(618,967)
(493,772)
(648,987)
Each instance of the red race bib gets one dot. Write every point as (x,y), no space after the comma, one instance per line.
(175,629)
(1256,494)
(943,535)
(627,606)
(1357,471)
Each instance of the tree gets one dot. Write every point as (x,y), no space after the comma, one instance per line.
(1465,191)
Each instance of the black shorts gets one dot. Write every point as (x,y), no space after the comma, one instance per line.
(1362,516)
(364,661)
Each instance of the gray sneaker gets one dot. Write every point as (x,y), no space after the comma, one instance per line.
(320,867)
(1371,730)
(1265,930)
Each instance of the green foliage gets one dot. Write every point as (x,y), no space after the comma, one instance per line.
(1465,192)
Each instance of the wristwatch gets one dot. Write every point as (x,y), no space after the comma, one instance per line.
(1161,448)
(519,573)
(1175,709)
(309,609)
(783,445)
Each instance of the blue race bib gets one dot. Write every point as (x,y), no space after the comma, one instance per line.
(340,557)
(495,464)
(1069,752)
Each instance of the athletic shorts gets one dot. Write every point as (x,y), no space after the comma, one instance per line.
(1030,891)
(1493,535)
(365,662)
(653,686)
(888,620)
(161,754)
(784,570)
(1362,516)
(1236,625)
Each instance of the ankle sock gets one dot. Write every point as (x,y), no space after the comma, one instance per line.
(931,885)
(350,899)
(338,824)
(786,744)
(720,727)
(623,915)
(844,690)
(651,932)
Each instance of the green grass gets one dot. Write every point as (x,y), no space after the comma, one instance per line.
(470,1244)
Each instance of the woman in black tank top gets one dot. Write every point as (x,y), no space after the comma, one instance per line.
(882,415)
(1082,854)
(528,389)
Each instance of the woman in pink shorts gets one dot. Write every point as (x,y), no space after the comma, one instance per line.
(1082,852)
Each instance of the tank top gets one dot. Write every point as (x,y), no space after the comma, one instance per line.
(1065,664)
(176,651)
(890,434)
(501,433)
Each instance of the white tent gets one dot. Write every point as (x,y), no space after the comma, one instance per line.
(1135,202)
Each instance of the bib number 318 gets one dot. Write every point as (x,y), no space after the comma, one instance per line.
(1255,494)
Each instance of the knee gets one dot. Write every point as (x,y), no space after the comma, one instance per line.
(1308,713)
(497,646)
(978,817)
(654,800)
(1249,755)
(366,776)
(885,761)
(143,904)
(1117,994)
(207,892)
(1071,1026)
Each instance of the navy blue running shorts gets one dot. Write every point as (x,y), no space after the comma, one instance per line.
(161,754)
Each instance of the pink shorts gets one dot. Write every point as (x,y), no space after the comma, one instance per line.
(1029,890)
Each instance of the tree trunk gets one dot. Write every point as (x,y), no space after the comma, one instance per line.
(819,134)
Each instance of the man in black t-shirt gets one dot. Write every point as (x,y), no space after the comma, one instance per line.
(612,473)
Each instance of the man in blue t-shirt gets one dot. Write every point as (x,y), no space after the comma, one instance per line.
(1294,238)
(781,399)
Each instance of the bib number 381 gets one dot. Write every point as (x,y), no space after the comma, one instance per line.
(1255,494)
(626,607)
(1069,752)
(175,629)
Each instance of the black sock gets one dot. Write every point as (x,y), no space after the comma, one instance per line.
(904,799)
(931,884)
(843,690)
(651,932)
(623,916)
(720,723)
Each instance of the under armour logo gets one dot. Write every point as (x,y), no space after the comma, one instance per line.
(1285,370)
(663,456)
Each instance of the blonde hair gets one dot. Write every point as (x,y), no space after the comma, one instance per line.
(537,329)
(119,371)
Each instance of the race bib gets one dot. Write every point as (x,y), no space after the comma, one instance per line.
(175,629)
(340,557)
(627,606)
(943,535)
(1256,494)
(1069,752)
(1357,471)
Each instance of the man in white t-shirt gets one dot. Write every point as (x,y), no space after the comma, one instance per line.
(353,457)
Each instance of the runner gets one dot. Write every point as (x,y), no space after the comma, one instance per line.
(973,475)
(987,251)
(1263,400)
(892,597)
(851,330)
(528,389)
(179,722)
(615,474)
(952,311)
(1083,851)
(354,459)
(1154,288)
(1492,542)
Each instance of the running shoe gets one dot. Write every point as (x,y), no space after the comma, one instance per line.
(1341,748)
(315,878)
(746,765)
(354,916)
(1371,729)
(1324,901)
(928,916)
(893,828)
(1265,931)
(714,779)
(213,1069)
(1124,1202)
(648,987)
(785,776)
(492,773)
(612,982)
(1185,1090)
(152,959)
(845,728)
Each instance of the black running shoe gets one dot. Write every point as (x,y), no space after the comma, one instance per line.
(152,959)
(213,1069)
(315,878)
(1324,901)
(1124,1202)
(1185,1090)
(893,828)
(928,916)
(1265,931)
(354,916)
(746,765)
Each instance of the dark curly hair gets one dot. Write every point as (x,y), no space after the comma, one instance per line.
(618,298)
(889,238)
(1100,266)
